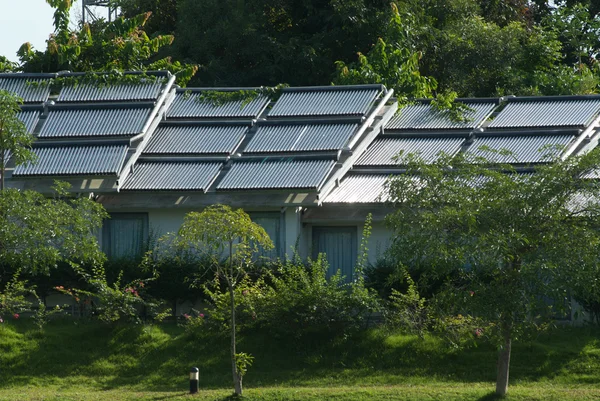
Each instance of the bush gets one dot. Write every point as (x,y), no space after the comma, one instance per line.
(302,302)
(114,302)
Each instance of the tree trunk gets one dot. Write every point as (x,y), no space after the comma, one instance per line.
(237,380)
(503,365)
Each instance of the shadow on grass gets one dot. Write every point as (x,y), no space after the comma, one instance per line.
(159,358)
(491,397)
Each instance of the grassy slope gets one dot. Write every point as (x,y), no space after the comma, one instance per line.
(73,361)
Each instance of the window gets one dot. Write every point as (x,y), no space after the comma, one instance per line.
(271,223)
(124,235)
(339,244)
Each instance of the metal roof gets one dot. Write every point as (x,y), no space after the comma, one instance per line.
(172,176)
(523,149)
(28,88)
(360,188)
(94,122)
(422,116)
(29,118)
(300,137)
(190,139)
(94,93)
(544,113)
(75,160)
(281,173)
(382,150)
(325,101)
(187,104)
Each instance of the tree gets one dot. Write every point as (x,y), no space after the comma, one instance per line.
(393,62)
(15,141)
(120,45)
(229,239)
(37,233)
(267,42)
(505,241)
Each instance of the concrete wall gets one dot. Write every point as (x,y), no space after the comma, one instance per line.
(297,234)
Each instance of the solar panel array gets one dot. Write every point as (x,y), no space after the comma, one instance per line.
(181,153)
(519,131)
(109,116)
(293,146)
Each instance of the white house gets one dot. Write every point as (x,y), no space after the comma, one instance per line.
(308,166)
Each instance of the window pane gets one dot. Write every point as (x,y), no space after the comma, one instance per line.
(339,244)
(271,222)
(125,235)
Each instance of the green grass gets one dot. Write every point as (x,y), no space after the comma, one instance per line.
(89,361)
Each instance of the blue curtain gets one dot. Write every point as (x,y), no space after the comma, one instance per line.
(339,244)
(125,235)
(271,222)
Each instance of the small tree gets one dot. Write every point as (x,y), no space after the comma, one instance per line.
(37,233)
(507,240)
(15,141)
(229,239)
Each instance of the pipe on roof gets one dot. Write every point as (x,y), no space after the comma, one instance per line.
(151,119)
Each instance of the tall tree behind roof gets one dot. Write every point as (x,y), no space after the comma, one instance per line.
(101,46)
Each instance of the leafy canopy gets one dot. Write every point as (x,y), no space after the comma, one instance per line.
(505,241)
(15,141)
(120,45)
(36,233)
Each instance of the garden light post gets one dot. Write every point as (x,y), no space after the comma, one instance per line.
(194,377)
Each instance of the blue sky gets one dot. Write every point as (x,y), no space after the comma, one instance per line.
(27,21)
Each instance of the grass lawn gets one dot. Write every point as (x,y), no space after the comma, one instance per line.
(89,361)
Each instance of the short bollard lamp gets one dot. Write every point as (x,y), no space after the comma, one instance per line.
(194,377)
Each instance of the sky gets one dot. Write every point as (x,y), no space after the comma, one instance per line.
(27,21)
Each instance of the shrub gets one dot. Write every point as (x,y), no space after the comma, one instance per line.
(408,312)
(301,302)
(114,302)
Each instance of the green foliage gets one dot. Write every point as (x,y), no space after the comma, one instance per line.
(119,45)
(445,103)
(511,240)
(247,296)
(15,141)
(116,302)
(37,233)
(13,299)
(265,42)
(363,251)
(302,303)
(408,312)
(392,62)
(7,66)
(243,361)
(228,239)
(219,98)
(578,31)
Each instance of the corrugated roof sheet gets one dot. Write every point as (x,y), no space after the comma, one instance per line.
(27,88)
(422,116)
(75,160)
(94,122)
(334,101)
(300,137)
(172,176)
(189,139)
(276,174)
(382,150)
(93,93)
(360,188)
(189,105)
(544,113)
(523,149)
(30,119)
